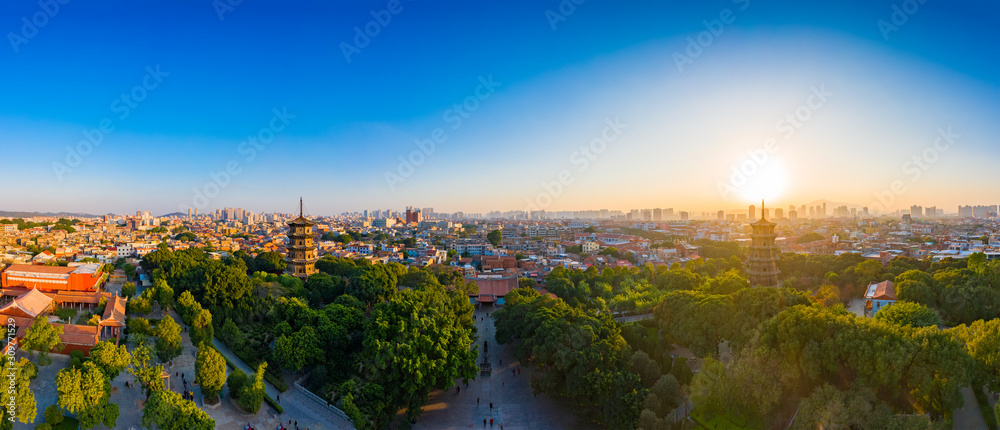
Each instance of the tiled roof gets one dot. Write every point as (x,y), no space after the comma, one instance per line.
(114,312)
(40,269)
(33,303)
(882,290)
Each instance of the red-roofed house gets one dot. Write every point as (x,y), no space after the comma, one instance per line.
(85,277)
(879,296)
(28,305)
(492,288)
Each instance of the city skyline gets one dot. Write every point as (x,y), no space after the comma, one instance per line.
(849,102)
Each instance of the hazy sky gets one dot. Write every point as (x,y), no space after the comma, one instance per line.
(534,105)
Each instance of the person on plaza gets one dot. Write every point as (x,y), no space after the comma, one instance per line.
(477,401)
(491,422)
(484,422)
(491,406)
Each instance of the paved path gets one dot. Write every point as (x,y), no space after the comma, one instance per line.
(514,404)
(309,413)
(634,318)
(968,417)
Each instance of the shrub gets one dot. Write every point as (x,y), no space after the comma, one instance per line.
(236,381)
(43,426)
(53,415)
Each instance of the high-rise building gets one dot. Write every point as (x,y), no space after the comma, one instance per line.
(762,261)
(721,215)
(778,214)
(752,212)
(301,251)
(669,213)
(657,214)
(916,211)
(684,216)
(793,215)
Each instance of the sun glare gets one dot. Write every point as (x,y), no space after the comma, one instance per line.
(769,182)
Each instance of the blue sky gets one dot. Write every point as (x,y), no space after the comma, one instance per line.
(554,91)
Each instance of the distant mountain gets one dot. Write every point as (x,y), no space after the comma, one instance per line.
(15,214)
(179,214)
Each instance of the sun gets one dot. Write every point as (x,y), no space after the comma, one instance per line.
(769,182)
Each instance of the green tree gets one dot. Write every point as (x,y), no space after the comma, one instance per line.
(982,340)
(17,381)
(167,410)
(42,337)
(53,415)
(210,371)
(164,294)
(909,314)
(202,329)
(128,290)
(727,283)
(147,373)
(495,237)
(252,394)
(85,393)
(236,381)
(426,333)
(110,358)
(168,339)
(270,262)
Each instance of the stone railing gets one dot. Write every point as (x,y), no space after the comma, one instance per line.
(319,400)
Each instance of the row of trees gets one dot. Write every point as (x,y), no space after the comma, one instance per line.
(369,347)
(581,356)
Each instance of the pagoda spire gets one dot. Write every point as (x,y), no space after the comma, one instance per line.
(301,212)
(762,211)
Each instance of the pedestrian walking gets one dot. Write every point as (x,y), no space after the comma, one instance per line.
(484,422)
(278,398)
(491,422)
(477,401)
(518,370)
(491,406)
(513,372)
